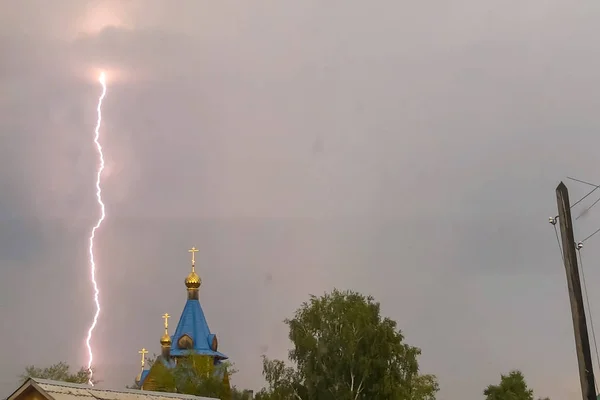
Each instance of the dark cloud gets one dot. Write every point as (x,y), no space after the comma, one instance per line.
(406,151)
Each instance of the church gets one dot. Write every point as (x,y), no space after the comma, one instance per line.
(192,339)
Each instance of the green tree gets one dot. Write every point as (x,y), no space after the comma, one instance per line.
(193,375)
(344,349)
(511,387)
(240,394)
(58,372)
(284,382)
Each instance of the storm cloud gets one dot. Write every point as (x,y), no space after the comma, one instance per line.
(408,151)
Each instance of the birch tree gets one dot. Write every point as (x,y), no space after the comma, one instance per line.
(343,349)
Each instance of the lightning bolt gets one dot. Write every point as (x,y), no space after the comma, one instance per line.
(102,80)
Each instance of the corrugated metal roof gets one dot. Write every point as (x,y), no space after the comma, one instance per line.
(74,391)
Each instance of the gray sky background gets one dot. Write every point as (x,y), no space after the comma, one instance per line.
(409,150)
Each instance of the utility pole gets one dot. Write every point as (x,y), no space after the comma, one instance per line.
(582,341)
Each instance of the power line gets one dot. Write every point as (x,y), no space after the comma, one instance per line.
(596,231)
(580,181)
(583,198)
(587,209)
(596,187)
(553,222)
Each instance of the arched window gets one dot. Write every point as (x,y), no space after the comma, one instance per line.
(185,342)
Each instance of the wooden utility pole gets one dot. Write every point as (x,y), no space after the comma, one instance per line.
(582,341)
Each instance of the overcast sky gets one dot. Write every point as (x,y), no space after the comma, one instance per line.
(408,150)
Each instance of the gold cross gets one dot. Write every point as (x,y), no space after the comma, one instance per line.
(166,318)
(143,352)
(193,250)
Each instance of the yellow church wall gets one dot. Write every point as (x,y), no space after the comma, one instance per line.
(203,365)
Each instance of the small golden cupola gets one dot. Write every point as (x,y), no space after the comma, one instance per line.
(193,281)
(165,340)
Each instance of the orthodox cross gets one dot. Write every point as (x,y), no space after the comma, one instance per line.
(166,318)
(193,250)
(143,352)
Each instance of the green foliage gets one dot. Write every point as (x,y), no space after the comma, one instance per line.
(240,394)
(511,387)
(58,372)
(196,375)
(284,382)
(344,349)
(164,378)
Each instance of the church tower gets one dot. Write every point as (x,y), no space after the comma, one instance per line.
(192,337)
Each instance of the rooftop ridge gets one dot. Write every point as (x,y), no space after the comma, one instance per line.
(101,389)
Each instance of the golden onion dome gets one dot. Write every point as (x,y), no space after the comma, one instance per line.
(193,281)
(165,340)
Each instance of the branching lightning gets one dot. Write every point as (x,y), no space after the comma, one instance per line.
(102,80)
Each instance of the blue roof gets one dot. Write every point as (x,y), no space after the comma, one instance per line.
(143,377)
(193,323)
